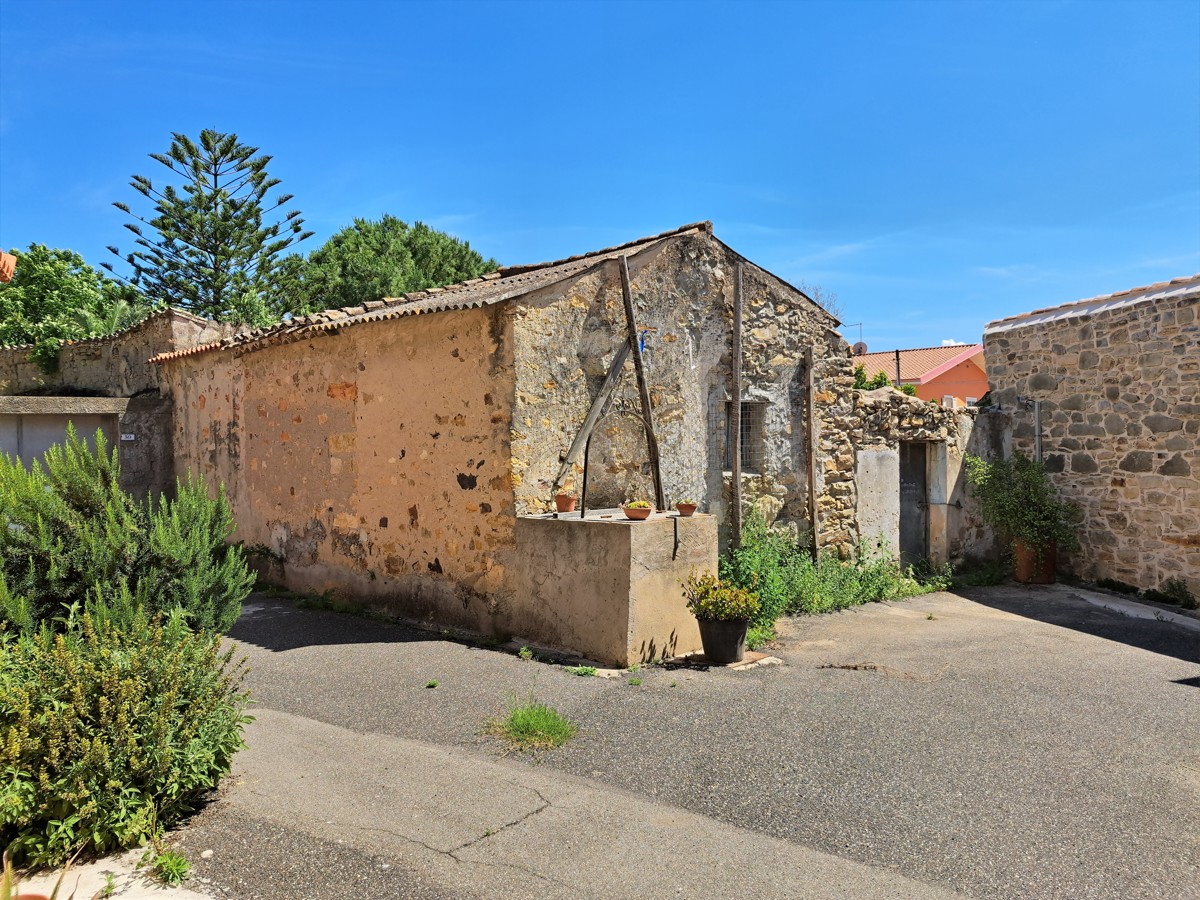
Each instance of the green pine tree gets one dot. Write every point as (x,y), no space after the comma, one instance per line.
(213,244)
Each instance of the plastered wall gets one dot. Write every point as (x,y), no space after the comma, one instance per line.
(375,462)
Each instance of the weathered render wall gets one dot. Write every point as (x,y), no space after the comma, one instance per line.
(610,588)
(566,337)
(375,461)
(114,366)
(1120,393)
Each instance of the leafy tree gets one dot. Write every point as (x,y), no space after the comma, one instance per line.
(370,260)
(55,296)
(213,245)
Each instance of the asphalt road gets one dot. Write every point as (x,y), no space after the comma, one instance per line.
(1022,743)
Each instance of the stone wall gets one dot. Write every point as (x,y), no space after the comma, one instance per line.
(565,338)
(879,422)
(116,366)
(1119,385)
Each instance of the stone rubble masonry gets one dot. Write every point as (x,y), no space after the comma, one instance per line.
(1120,390)
(113,366)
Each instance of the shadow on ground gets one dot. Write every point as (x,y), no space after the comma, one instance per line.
(279,625)
(1057,605)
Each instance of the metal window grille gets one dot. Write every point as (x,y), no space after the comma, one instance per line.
(754,436)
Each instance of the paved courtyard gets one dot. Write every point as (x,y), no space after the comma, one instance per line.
(1003,742)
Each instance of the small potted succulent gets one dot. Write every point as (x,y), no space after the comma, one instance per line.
(564,502)
(637,509)
(686,507)
(723,613)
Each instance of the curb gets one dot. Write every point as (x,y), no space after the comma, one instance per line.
(1135,610)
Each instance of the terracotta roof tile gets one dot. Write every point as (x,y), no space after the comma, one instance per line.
(494,287)
(915,363)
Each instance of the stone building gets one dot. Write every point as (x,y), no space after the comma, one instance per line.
(107,384)
(406,451)
(1109,390)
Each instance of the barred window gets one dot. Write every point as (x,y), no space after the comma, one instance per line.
(754,436)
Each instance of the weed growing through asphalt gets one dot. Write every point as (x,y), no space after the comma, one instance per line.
(759,636)
(525,653)
(533,726)
(431,683)
(583,671)
(634,682)
(110,885)
(171,867)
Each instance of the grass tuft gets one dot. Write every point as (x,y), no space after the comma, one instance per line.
(532,726)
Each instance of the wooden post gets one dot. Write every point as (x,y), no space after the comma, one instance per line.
(585,430)
(643,390)
(811,439)
(735,409)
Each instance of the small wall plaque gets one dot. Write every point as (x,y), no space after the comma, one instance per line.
(126,436)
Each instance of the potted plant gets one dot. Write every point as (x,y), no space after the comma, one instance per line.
(686,507)
(723,613)
(1021,502)
(637,509)
(564,502)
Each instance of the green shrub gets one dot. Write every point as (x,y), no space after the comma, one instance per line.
(1019,500)
(787,581)
(110,731)
(67,531)
(713,599)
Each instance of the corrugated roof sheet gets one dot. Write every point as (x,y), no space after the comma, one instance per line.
(495,287)
(914,364)
(1162,290)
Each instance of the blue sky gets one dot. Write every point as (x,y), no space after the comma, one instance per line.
(934,164)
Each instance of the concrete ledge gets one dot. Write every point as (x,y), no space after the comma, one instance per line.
(58,406)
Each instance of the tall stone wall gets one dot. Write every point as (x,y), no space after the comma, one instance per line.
(116,366)
(565,338)
(1120,395)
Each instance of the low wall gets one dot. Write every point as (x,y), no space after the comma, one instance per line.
(608,588)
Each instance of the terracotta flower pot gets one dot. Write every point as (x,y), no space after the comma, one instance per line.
(724,640)
(637,513)
(1029,570)
(564,502)
(685,509)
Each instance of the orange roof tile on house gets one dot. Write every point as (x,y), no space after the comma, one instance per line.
(921,365)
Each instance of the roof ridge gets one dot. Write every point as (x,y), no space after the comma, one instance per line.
(960,347)
(1100,298)
(390,307)
(506,271)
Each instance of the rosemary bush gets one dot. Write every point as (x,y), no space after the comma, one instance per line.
(68,532)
